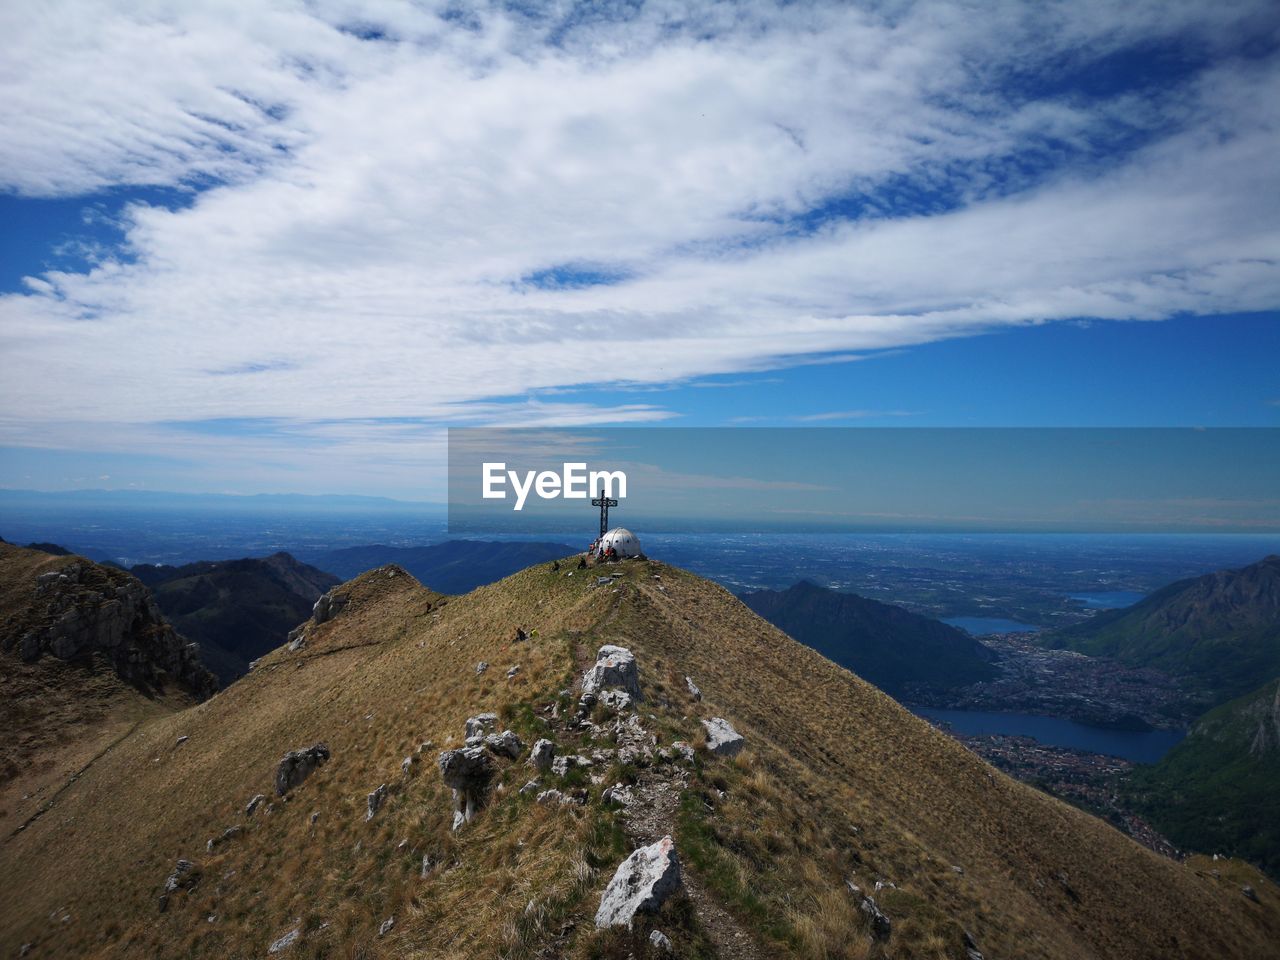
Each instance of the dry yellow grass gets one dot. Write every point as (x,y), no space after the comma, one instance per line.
(839,783)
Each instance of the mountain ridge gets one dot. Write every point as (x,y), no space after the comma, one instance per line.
(236,609)
(884,644)
(1217,789)
(1219,632)
(840,795)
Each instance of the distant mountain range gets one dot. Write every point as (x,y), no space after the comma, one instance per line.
(237,610)
(1219,633)
(455,566)
(1217,790)
(885,645)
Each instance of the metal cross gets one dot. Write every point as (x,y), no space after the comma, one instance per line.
(604,503)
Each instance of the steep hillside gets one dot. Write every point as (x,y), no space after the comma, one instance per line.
(845,828)
(84,657)
(886,645)
(454,566)
(1218,789)
(237,610)
(1219,632)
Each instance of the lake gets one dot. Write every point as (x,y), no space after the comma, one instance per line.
(979,626)
(1146,747)
(1107,599)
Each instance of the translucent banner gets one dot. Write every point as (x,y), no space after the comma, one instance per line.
(1065,480)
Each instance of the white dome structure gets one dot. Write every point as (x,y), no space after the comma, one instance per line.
(624,543)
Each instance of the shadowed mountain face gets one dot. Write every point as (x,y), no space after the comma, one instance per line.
(74,610)
(1218,789)
(839,826)
(1220,633)
(454,566)
(885,645)
(237,610)
(85,656)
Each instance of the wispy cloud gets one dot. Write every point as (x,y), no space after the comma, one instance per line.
(415,215)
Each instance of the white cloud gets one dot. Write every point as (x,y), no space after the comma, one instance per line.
(381,200)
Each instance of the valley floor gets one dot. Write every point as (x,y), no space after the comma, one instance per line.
(1063,683)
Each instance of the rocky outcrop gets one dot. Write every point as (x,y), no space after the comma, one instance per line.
(880,925)
(84,609)
(480,725)
(328,606)
(186,874)
(374,802)
(253,803)
(615,668)
(227,835)
(641,884)
(561,766)
(467,772)
(542,754)
(504,744)
(616,701)
(619,793)
(693,689)
(722,739)
(284,942)
(296,765)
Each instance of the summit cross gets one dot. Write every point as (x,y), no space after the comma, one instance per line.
(604,503)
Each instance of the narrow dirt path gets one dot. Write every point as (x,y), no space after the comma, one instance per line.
(652,816)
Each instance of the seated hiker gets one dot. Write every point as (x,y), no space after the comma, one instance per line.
(582,562)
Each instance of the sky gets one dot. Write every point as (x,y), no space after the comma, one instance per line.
(281,247)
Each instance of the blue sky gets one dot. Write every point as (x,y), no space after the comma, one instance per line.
(266,248)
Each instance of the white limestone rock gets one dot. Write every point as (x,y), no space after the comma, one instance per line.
(615,668)
(641,884)
(722,739)
(543,753)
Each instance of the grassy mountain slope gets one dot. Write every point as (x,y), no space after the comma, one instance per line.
(1218,789)
(838,783)
(237,610)
(454,566)
(57,714)
(886,645)
(1219,632)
